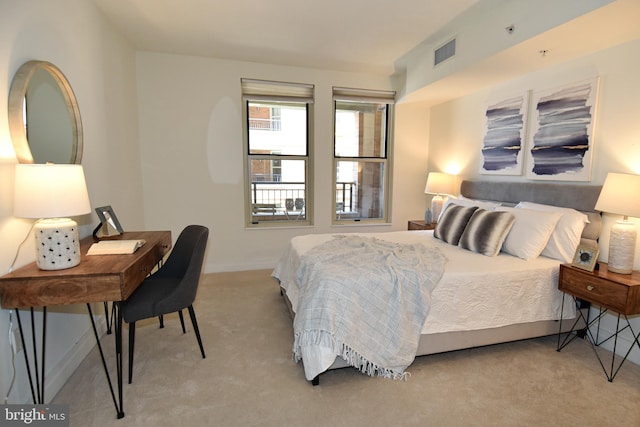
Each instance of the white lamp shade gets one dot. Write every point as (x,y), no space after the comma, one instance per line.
(50,191)
(439,183)
(620,195)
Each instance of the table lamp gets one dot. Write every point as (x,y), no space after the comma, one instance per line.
(620,195)
(51,193)
(438,183)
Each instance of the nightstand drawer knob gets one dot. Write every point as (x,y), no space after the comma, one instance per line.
(589,288)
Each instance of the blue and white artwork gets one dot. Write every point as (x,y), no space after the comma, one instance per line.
(503,143)
(561,145)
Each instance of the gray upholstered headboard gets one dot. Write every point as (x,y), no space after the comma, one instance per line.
(579,197)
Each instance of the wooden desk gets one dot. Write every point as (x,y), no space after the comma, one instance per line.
(97,278)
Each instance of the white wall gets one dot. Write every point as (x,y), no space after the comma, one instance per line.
(191,145)
(457,127)
(100,65)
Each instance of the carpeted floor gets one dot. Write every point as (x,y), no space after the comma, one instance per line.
(249,378)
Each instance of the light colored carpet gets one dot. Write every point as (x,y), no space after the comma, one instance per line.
(249,378)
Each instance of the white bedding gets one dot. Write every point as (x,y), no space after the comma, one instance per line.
(372,319)
(476,291)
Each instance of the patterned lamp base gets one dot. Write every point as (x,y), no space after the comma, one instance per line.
(622,246)
(57,244)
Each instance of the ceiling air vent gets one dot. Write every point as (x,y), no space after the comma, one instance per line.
(444,52)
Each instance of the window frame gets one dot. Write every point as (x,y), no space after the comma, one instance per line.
(366,96)
(277,92)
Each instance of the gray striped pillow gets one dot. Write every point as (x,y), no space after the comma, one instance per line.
(486,231)
(452,223)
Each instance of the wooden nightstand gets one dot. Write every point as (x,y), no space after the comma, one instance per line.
(419,224)
(619,293)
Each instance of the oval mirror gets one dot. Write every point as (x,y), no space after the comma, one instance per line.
(44,118)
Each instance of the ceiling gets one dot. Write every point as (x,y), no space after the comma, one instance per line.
(602,28)
(344,35)
(368,36)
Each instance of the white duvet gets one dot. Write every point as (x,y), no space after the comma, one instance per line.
(475,292)
(372,319)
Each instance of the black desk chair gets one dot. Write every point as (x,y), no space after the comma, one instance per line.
(172,288)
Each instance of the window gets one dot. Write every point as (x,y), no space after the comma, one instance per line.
(277,146)
(362,146)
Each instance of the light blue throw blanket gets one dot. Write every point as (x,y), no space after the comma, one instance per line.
(366,299)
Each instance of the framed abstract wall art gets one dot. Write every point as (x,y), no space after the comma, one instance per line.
(504,138)
(560,143)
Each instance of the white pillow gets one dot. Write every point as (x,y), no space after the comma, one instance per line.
(463,201)
(530,232)
(566,236)
(482,204)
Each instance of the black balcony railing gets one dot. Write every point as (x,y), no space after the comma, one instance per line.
(345,196)
(278,200)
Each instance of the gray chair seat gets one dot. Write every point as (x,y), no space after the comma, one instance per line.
(171,289)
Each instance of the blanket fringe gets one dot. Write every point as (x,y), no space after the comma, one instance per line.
(352,357)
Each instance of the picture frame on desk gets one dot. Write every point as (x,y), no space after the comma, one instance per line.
(109,224)
(585,257)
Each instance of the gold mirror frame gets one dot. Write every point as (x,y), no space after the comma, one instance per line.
(17,94)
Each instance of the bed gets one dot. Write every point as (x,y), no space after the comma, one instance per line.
(447,289)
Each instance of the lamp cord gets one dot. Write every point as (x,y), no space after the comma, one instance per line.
(20,246)
(12,339)
(12,344)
